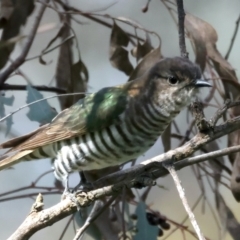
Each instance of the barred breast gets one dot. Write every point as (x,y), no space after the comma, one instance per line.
(131,137)
(113,145)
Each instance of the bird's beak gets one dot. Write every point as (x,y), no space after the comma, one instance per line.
(202,83)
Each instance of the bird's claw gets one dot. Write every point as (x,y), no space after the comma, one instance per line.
(83,187)
(72,197)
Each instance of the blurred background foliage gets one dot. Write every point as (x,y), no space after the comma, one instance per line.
(83,46)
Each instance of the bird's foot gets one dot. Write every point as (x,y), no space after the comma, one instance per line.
(83,187)
(144,181)
(72,197)
(71,194)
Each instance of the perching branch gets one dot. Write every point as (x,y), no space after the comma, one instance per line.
(180,153)
(152,167)
(181,194)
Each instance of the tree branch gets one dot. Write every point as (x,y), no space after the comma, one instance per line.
(183,198)
(95,19)
(21,58)
(152,167)
(182,152)
(181,32)
(39,220)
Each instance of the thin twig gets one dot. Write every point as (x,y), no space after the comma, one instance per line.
(95,19)
(206,156)
(6,86)
(66,227)
(181,193)
(228,104)
(170,10)
(123,214)
(29,195)
(32,186)
(98,208)
(233,38)
(21,58)
(181,32)
(41,176)
(51,49)
(203,168)
(183,221)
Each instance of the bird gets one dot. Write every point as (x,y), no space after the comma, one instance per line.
(112,126)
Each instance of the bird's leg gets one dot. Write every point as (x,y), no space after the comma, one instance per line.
(70,194)
(66,185)
(83,184)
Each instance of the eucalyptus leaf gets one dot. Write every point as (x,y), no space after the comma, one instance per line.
(40,112)
(145,231)
(147,62)
(118,55)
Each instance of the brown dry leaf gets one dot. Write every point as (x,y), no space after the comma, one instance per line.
(59,34)
(79,79)
(11,27)
(147,62)
(6,10)
(142,49)
(63,70)
(204,38)
(166,138)
(227,218)
(193,26)
(235,184)
(118,55)
(70,76)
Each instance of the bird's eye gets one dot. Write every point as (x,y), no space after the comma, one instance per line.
(173,80)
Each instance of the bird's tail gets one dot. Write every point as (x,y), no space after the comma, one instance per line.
(8,161)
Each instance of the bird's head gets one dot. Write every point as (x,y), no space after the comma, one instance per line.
(175,79)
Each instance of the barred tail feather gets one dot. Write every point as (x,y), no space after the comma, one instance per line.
(8,161)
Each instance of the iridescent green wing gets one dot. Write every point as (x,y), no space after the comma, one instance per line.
(94,112)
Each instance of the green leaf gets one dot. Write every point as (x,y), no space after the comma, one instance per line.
(145,231)
(40,112)
(9,102)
